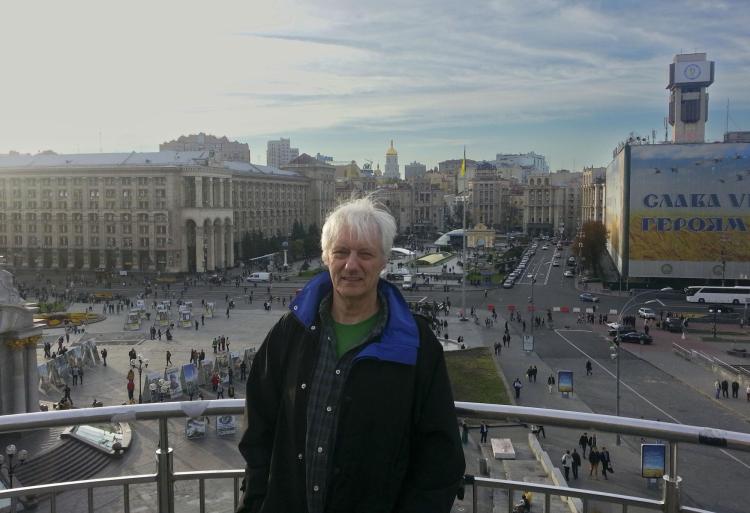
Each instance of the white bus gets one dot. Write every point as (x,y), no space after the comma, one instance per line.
(728,295)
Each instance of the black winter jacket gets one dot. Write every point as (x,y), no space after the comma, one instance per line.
(397,446)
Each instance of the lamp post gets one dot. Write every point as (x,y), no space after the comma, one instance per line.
(463,267)
(7,461)
(139,363)
(715,310)
(616,354)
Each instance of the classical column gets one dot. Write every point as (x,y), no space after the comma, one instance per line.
(221,257)
(151,259)
(211,239)
(211,186)
(31,377)
(71,259)
(86,259)
(230,245)
(18,393)
(199,241)
(55,258)
(199,191)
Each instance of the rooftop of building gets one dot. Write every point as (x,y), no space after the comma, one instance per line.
(84,160)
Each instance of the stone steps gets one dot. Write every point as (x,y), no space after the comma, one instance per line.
(70,460)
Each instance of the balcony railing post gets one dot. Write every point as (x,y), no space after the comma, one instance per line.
(164,469)
(672,483)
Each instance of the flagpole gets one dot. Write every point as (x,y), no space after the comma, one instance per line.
(463,252)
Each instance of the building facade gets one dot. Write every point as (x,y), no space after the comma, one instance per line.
(219,148)
(414,170)
(553,204)
(593,185)
(279,153)
(490,198)
(322,194)
(167,211)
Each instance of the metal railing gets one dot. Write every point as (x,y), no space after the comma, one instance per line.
(164,477)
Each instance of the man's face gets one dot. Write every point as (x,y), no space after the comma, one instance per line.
(355,264)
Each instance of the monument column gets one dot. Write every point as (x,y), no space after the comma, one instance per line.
(230,246)
(199,241)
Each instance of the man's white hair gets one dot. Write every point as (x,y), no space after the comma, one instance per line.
(363,218)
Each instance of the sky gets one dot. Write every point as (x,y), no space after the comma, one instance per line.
(565,79)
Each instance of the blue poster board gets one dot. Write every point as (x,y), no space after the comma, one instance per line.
(565,381)
(653,460)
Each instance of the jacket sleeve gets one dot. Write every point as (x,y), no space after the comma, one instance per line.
(436,463)
(262,403)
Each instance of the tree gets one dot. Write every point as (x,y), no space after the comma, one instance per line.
(590,244)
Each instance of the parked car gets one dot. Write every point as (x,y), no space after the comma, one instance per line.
(615,329)
(588,298)
(555,263)
(508,284)
(568,274)
(646,313)
(635,336)
(673,324)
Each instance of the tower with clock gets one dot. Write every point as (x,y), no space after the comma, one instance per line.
(689,76)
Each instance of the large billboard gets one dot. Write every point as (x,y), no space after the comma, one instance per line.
(614,205)
(689,211)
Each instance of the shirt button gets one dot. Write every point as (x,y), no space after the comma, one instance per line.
(338,371)
(299,456)
(329,409)
(303,386)
(312,328)
(316,488)
(320,450)
(296,307)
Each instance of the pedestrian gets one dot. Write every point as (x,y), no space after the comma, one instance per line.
(227,312)
(594,462)
(243,370)
(203,320)
(196,324)
(529,373)
(215,345)
(74,373)
(550,383)
(583,442)
(735,389)
(725,388)
(66,393)
(169,358)
(534,372)
(220,391)
(567,460)
(131,388)
(517,386)
(399,368)
(588,368)
(80,374)
(230,391)
(576,463)
(717,388)
(483,432)
(605,461)
(104,355)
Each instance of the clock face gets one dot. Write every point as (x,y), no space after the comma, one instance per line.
(692,71)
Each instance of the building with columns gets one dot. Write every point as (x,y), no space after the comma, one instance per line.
(593,184)
(322,187)
(167,211)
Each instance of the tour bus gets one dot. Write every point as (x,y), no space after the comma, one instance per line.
(727,295)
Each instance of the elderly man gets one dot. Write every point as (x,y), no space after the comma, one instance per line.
(349,405)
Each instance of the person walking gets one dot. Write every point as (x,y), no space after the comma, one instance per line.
(74,373)
(735,389)
(747,391)
(80,374)
(131,388)
(594,462)
(576,464)
(550,383)
(104,355)
(517,386)
(169,358)
(483,432)
(567,460)
(66,394)
(583,443)
(243,370)
(605,461)
(220,391)
(717,388)
(588,368)
(725,389)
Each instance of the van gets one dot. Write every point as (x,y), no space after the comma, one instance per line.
(259,277)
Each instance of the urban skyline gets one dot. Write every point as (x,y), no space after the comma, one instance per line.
(567,80)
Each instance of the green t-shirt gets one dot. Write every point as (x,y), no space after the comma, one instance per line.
(349,336)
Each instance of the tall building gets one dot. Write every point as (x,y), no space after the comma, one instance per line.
(490,197)
(689,76)
(279,153)
(553,204)
(391,163)
(219,148)
(322,193)
(521,166)
(414,170)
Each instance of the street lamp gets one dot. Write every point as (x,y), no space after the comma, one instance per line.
(463,267)
(715,310)
(616,354)
(139,363)
(7,462)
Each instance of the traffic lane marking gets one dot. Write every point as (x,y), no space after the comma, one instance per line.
(635,392)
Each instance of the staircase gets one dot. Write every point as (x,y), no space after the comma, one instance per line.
(70,460)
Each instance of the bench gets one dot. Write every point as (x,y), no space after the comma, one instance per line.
(502,449)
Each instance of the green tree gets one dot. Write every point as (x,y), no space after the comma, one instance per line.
(590,244)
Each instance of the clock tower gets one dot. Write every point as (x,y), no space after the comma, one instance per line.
(689,76)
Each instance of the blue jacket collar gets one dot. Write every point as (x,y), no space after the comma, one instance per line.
(399,340)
